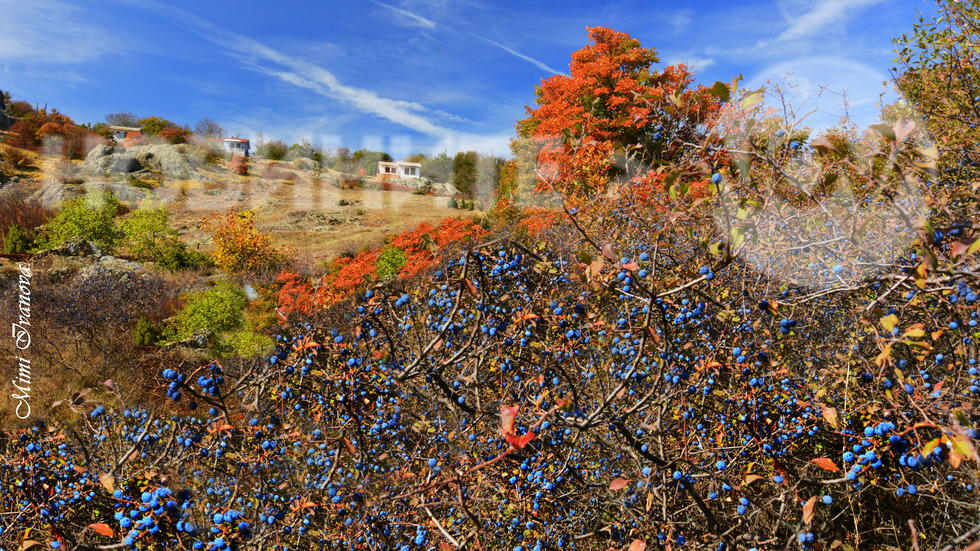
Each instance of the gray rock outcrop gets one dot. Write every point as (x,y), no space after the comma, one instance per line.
(106,160)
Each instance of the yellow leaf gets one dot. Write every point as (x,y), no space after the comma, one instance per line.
(933,444)
(889,322)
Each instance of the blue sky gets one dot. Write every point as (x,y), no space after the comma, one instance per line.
(406,76)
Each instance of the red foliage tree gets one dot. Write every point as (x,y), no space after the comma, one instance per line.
(611,98)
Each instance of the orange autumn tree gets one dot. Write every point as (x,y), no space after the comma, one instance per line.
(612,108)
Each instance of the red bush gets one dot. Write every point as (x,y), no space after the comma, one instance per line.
(239,165)
(174,135)
(134,139)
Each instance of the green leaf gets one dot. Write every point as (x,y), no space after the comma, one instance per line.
(885,131)
(720,91)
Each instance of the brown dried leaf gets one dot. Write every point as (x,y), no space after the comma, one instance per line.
(808,509)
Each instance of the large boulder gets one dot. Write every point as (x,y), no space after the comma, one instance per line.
(106,160)
(165,159)
(110,267)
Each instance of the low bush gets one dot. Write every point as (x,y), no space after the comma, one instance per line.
(174,135)
(16,241)
(134,139)
(218,309)
(239,165)
(146,333)
(390,262)
(90,217)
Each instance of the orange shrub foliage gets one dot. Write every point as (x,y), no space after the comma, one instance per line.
(174,135)
(238,244)
(43,126)
(238,165)
(537,220)
(134,139)
(347,275)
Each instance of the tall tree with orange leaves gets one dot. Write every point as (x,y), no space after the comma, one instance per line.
(613,107)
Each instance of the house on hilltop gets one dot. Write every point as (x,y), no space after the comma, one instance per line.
(401,169)
(119,132)
(238,146)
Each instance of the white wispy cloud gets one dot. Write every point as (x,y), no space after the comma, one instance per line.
(299,72)
(680,20)
(693,62)
(49,31)
(529,59)
(822,14)
(417,19)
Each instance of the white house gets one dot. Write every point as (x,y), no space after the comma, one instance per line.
(401,169)
(238,146)
(119,132)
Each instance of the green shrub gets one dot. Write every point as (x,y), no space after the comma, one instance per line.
(146,333)
(390,262)
(16,241)
(218,309)
(147,235)
(90,217)
(343,202)
(452,204)
(246,342)
(178,256)
(211,156)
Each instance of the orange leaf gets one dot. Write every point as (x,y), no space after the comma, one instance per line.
(102,529)
(618,484)
(637,545)
(825,463)
(830,415)
(808,509)
(631,266)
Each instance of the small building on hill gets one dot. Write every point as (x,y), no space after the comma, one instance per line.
(119,132)
(238,146)
(400,169)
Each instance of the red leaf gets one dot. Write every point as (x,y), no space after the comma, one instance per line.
(102,529)
(507,416)
(637,545)
(519,441)
(618,484)
(825,463)
(631,266)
